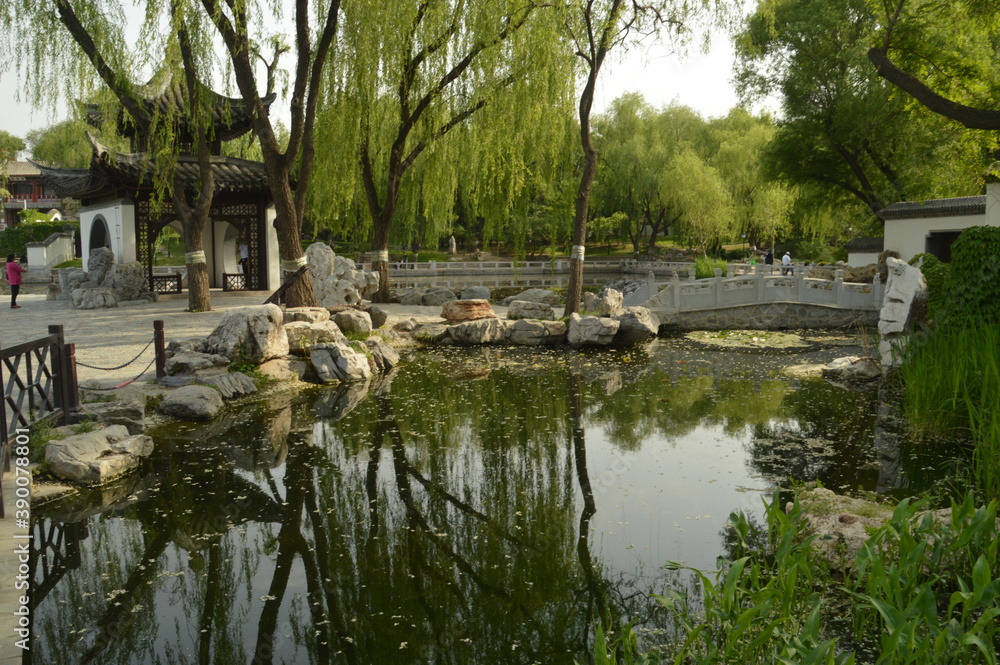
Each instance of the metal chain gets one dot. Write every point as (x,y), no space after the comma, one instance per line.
(122,385)
(112,369)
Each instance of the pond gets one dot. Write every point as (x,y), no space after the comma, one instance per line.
(483,505)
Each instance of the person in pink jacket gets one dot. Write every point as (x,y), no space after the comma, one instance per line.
(14,271)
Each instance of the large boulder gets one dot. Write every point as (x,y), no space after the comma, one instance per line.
(118,412)
(249,334)
(438,295)
(526,309)
(187,363)
(532,332)
(382,357)
(94,298)
(306,314)
(353,321)
(483,331)
(636,324)
(591,330)
(284,369)
(97,457)
(378,315)
(231,385)
(414,296)
(609,303)
(533,295)
(852,369)
(475,293)
(192,403)
(70,279)
(339,362)
(302,335)
(336,279)
(467,310)
(128,281)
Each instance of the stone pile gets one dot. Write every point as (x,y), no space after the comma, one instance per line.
(336,279)
(106,284)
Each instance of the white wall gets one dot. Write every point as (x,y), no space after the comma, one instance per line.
(858,259)
(909,236)
(120,217)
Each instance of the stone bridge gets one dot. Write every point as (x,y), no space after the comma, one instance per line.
(761,300)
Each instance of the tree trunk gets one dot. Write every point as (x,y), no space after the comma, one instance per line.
(380,243)
(288,225)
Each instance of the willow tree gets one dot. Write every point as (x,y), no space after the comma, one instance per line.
(408,84)
(595,28)
(102,55)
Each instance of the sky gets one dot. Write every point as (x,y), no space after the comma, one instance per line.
(699,80)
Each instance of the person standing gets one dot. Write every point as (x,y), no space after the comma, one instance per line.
(14,271)
(769,258)
(786,264)
(244,256)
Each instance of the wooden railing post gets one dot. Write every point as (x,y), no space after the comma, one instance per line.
(159,348)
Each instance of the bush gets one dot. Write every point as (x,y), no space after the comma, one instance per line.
(16,239)
(936,274)
(705,267)
(973,284)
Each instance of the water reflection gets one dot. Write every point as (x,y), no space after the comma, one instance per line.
(475,506)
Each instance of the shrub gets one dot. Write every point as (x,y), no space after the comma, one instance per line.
(973,285)
(16,239)
(705,267)
(936,274)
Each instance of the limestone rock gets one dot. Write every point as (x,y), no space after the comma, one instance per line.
(905,299)
(432,333)
(175,346)
(187,363)
(467,310)
(383,357)
(591,330)
(284,369)
(70,279)
(406,325)
(336,279)
(128,281)
(301,335)
(250,334)
(609,303)
(636,324)
(192,403)
(532,332)
(97,457)
(412,296)
(533,295)
(378,316)
(118,412)
(306,314)
(231,384)
(338,362)
(590,302)
(437,295)
(526,309)
(853,369)
(483,331)
(353,321)
(475,293)
(95,298)
(99,263)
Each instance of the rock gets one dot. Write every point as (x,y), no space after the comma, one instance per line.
(70,279)
(338,362)
(841,524)
(353,321)
(128,281)
(177,381)
(483,331)
(526,309)
(378,316)
(475,293)
(383,357)
(532,332)
(590,330)
(467,310)
(249,334)
(590,302)
(432,333)
(176,346)
(306,314)
(335,403)
(94,298)
(852,369)
(905,302)
(437,295)
(636,324)
(187,363)
(301,335)
(97,457)
(284,369)
(609,303)
(52,292)
(192,403)
(99,264)
(231,384)
(533,295)
(118,412)
(406,325)
(412,297)
(336,280)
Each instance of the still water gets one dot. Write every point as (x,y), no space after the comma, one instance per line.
(476,506)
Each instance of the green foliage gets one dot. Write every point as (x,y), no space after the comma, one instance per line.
(815,251)
(973,283)
(936,273)
(153,403)
(705,267)
(64,144)
(85,426)
(31,215)
(251,369)
(16,239)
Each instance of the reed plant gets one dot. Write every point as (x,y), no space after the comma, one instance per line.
(952,384)
(705,266)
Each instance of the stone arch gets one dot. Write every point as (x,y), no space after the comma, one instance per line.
(100,234)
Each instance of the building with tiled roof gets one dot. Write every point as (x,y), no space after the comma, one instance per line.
(119,211)
(916,227)
(28,191)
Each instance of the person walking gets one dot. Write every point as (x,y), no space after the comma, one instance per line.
(786,264)
(14,271)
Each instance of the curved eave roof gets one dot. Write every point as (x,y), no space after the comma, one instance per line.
(865,245)
(962,205)
(134,171)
